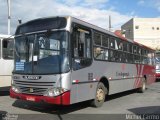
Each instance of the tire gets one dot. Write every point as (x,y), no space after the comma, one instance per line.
(100,95)
(143,87)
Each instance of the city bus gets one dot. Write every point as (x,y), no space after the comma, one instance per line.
(63,60)
(6,61)
(157,64)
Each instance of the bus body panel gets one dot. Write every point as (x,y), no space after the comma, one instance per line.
(6,66)
(82,84)
(25,82)
(121,78)
(116,83)
(5,72)
(59,100)
(5,81)
(40,86)
(82,92)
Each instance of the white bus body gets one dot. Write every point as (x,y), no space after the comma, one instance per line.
(6,60)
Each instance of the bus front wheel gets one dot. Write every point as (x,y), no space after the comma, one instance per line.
(100,95)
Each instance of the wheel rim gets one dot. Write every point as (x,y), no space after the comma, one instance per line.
(100,95)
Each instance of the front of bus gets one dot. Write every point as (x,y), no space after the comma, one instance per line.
(158,66)
(41,63)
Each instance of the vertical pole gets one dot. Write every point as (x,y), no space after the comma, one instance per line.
(110,23)
(9,16)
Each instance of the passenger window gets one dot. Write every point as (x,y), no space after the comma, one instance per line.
(134,49)
(137,59)
(118,45)
(125,47)
(151,58)
(139,51)
(112,43)
(101,46)
(100,53)
(115,56)
(125,57)
(105,40)
(112,55)
(97,39)
(130,58)
(7,48)
(81,48)
(130,48)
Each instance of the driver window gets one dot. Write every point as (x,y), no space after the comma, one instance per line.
(81,48)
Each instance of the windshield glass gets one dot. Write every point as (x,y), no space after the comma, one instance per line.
(157,59)
(42,53)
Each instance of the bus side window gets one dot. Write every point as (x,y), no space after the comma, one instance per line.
(81,48)
(7,49)
(151,58)
(100,53)
(112,43)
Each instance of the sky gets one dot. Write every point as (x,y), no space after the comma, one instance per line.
(93,11)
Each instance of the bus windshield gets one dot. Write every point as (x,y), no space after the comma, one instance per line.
(42,53)
(157,59)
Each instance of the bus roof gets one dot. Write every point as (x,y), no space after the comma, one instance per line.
(139,44)
(76,20)
(111,33)
(5,36)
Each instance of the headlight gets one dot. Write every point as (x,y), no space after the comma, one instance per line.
(12,82)
(55,92)
(157,66)
(15,89)
(15,77)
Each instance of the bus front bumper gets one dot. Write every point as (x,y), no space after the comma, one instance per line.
(157,75)
(63,99)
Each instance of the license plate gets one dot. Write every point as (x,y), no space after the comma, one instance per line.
(30,98)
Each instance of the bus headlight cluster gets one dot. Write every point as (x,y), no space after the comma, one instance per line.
(157,67)
(15,89)
(55,92)
(12,82)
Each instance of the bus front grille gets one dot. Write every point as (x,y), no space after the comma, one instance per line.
(36,88)
(32,90)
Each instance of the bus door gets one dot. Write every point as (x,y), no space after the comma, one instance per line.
(81,60)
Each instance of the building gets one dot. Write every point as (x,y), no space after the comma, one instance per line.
(143,30)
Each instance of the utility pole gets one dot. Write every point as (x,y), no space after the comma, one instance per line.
(9,16)
(110,26)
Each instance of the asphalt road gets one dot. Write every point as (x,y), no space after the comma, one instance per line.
(116,107)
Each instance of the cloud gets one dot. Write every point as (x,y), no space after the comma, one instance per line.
(150,3)
(141,2)
(28,9)
(85,3)
(95,3)
(158,5)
